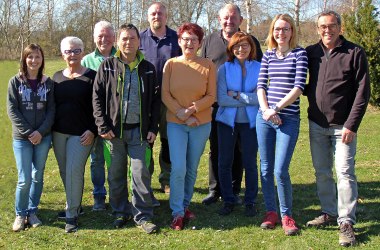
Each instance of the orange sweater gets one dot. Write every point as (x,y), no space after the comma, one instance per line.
(186,82)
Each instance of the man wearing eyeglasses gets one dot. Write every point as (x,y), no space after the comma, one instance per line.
(126,102)
(214,47)
(158,44)
(338,94)
(104,38)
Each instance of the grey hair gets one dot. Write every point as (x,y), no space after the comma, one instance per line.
(330,13)
(71,40)
(103,25)
(230,6)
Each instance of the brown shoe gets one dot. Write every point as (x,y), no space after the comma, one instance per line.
(165,189)
(346,235)
(322,221)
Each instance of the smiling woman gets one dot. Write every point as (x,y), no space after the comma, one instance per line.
(74,126)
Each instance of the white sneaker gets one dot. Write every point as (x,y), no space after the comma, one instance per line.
(34,221)
(19,223)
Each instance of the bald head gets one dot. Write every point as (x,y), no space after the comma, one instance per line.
(230,19)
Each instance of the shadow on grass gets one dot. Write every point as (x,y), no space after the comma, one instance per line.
(305,207)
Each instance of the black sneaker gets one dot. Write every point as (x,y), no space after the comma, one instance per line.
(226,209)
(210,198)
(250,210)
(62,214)
(71,225)
(148,227)
(121,221)
(346,235)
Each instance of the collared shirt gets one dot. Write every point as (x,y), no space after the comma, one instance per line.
(158,50)
(94,59)
(215,48)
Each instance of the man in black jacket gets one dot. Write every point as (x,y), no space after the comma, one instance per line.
(338,94)
(126,104)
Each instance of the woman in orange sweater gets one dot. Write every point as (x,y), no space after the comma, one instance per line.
(188,92)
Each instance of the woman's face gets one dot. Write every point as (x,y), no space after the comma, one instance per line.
(34,61)
(242,50)
(72,54)
(282,32)
(189,44)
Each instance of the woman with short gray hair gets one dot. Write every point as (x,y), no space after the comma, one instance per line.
(74,126)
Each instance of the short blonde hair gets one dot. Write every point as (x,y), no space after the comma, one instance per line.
(271,42)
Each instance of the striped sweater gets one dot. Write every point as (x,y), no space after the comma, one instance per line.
(279,76)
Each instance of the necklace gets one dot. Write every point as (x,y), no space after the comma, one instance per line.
(281,54)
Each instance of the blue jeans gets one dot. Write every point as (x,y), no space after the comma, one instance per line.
(30,162)
(325,145)
(186,145)
(276,147)
(227,137)
(98,176)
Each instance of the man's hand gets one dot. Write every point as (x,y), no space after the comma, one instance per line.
(151,137)
(108,136)
(347,135)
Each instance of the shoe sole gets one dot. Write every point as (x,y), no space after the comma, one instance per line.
(98,209)
(346,244)
(322,225)
(266,226)
(291,233)
(71,231)
(155,230)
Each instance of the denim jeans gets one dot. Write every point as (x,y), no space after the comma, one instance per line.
(276,147)
(186,145)
(227,138)
(30,162)
(98,176)
(325,145)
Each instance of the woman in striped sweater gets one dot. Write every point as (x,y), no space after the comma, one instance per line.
(281,81)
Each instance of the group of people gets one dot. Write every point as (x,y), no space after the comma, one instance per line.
(112,103)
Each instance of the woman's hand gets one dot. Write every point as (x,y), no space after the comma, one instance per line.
(87,138)
(35,137)
(271,115)
(184,114)
(192,121)
(151,137)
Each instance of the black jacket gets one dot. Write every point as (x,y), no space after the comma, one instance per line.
(338,89)
(107,97)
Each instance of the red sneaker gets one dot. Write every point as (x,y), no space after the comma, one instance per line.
(289,225)
(177,223)
(270,220)
(189,215)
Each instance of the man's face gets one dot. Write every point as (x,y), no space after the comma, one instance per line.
(128,42)
(104,39)
(157,17)
(230,21)
(329,30)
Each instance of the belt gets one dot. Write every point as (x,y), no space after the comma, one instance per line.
(128,126)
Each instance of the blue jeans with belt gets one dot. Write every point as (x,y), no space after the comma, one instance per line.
(276,147)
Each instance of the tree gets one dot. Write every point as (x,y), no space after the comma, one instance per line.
(362,27)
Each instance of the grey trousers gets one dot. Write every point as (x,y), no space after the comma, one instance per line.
(71,157)
(137,173)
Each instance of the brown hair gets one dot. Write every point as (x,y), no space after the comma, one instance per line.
(237,38)
(191,28)
(271,42)
(27,51)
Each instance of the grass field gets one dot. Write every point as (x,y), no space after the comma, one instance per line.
(211,230)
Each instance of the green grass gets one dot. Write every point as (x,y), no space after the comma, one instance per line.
(212,231)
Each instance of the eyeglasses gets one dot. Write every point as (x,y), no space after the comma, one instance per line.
(285,30)
(323,27)
(188,39)
(75,51)
(242,45)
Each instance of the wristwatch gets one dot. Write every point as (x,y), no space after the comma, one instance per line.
(275,108)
